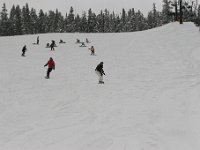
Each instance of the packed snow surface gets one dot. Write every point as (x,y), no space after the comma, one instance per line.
(150,99)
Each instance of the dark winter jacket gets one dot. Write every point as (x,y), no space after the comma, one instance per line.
(52,45)
(100,68)
(24,49)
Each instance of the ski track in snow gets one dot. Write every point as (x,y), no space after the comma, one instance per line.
(150,99)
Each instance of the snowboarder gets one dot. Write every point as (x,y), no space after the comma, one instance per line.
(47,46)
(87,41)
(51,66)
(61,41)
(52,45)
(100,72)
(24,49)
(92,50)
(78,41)
(38,40)
(82,44)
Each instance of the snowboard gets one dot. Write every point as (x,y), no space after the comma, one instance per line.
(101,82)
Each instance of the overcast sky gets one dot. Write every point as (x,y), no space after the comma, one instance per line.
(83,5)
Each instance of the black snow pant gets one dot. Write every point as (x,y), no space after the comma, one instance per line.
(48,72)
(52,48)
(23,53)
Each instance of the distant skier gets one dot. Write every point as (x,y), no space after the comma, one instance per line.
(92,50)
(78,41)
(82,44)
(100,72)
(61,41)
(52,45)
(47,46)
(38,40)
(87,41)
(24,49)
(51,66)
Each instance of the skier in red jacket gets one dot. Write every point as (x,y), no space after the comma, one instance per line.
(51,65)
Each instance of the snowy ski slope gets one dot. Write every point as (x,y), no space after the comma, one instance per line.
(150,99)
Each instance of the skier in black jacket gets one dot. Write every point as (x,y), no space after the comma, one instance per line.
(24,49)
(100,72)
(38,40)
(53,44)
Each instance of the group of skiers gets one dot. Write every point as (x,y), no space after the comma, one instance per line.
(83,45)
(86,40)
(51,64)
(99,69)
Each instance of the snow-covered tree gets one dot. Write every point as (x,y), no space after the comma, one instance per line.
(42,22)
(100,22)
(18,20)
(26,19)
(4,22)
(77,23)
(166,18)
(71,21)
(34,21)
(12,23)
(91,21)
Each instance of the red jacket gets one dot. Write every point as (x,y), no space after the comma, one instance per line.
(51,64)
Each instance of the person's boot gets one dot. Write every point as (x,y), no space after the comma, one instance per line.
(46,77)
(101,82)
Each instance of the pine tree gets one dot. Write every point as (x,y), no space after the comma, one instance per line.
(71,21)
(26,19)
(91,21)
(166,18)
(50,24)
(18,21)
(77,23)
(58,22)
(123,21)
(119,25)
(106,21)
(61,22)
(140,22)
(112,22)
(65,22)
(12,24)
(83,24)
(132,20)
(198,16)
(100,22)
(4,22)
(155,17)
(34,22)
(41,22)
